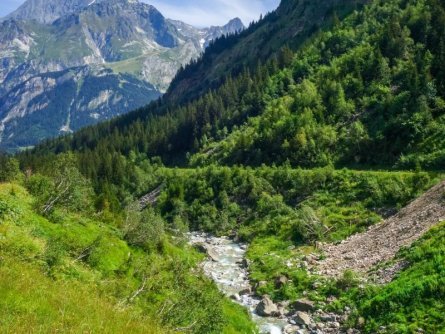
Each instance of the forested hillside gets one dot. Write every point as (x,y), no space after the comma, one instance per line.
(338,127)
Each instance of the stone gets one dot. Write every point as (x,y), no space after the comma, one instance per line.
(281,281)
(246,291)
(331,299)
(266,307)
(235,297)
(260,284)
(212,254)
(205,249)
(361,322)
(302,318)
(282,311)
(328,317)
(320,325)
(335,324)
(244,264)
(200,248)
(303,305)
(291,329)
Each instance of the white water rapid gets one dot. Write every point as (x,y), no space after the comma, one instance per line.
(227,270)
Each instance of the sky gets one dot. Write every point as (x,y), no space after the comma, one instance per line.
(196,12)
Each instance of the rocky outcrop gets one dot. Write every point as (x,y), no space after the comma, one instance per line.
(381,242)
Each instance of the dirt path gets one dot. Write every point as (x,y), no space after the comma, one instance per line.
(382,242)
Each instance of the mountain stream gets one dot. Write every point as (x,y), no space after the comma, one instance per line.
(225,267)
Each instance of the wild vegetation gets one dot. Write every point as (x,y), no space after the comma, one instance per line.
(322,139)
(129,272)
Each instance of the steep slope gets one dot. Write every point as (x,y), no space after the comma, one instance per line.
(132,39)
(238,98)
(374,83)
(291,24)
(55,103)
(362,252)
(68,271)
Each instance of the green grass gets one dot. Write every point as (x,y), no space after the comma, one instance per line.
(416,298)
(71,272)
(31,302)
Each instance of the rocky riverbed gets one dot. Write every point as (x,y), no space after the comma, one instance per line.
(227,266)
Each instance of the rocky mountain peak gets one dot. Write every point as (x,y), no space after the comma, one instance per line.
(47,11)
(235,25)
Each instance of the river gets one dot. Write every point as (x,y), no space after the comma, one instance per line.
(231,277)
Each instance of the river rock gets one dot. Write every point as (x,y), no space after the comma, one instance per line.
(303,305)
(302,318)
(291,329)
(246,291)
(206,249)
(328,317)
(200,248)
(212,254)
(266,307)
(244,264)
(235,297)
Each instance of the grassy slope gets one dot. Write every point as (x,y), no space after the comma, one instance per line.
(76,273)
(347,94)
(414,299)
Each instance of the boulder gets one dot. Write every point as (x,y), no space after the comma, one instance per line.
(303,305)
(246,291)
(244,264)
(201,248)
(281,281)
(302,318)
(291,329)
(212,254)
(206,249)
(266,307)
(235,297)
(328,317)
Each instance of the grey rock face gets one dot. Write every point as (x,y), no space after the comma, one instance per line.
(47,11)
(126,39)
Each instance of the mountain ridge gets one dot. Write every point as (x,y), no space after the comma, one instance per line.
(129,38)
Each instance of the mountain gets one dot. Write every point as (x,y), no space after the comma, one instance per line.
(47,11)
(128,40)
(290,25)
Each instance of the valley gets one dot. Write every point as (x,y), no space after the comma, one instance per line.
(290,180)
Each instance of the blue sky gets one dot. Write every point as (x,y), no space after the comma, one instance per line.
(196,12)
